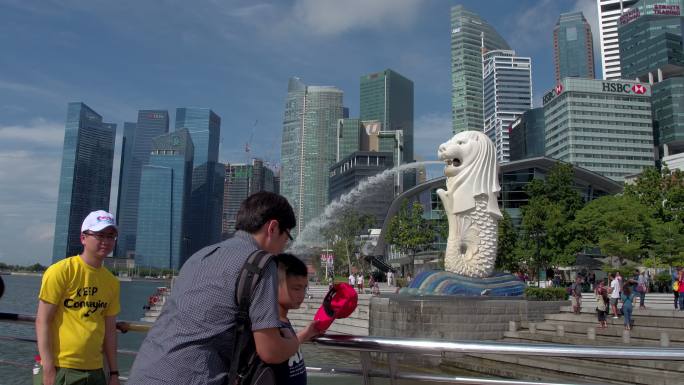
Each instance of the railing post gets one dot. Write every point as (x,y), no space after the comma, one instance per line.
(393,367)
(365,367)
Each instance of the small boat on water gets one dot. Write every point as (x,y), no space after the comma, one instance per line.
(155,303)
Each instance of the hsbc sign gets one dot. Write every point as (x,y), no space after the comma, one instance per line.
(626,88)
(572,85)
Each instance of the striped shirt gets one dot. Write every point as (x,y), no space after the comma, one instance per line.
(191,341)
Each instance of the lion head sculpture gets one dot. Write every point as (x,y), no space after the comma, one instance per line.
(470,169)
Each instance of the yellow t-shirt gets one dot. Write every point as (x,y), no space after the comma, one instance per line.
(84,295)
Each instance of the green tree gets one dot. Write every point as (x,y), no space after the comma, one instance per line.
(409,231)
(36,267)
(619,225)
(541,221)
(547,236)
(661,191)
(668,241)
(506,257)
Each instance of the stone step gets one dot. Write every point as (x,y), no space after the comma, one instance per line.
(543,336)
(613,329)
(595,370)
(666,322)
(519,372)
(306,318)
(648,312)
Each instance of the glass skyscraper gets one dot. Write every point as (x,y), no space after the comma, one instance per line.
(388,98)
(468,30)
(348,137)
(651,42)
(573,47)
(241,181)
(309,145)
(603,126)
(507,82)
(136,148)
(204,127)
(651,50)
(85,177)
(164,203)
(527,135)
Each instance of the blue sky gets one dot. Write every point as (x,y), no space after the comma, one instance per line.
(232,56)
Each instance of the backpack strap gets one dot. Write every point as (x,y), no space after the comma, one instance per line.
(249,277)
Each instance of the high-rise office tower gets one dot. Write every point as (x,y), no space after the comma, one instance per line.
(651,41)
(527,135)
(308,147)
(466,66)
(241,181)
(135,150)
(609,12)
(573,47)
(387,97)
(204,127)
(603,126)
(164,203)
(349,172)
(507,82)
(651,50)
(85,177)
(349,132)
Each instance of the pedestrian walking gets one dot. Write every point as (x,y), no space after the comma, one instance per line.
(601,304)
(641,288)
(675,287)
(680,288)
(614,294)
(627,299)
(576,292)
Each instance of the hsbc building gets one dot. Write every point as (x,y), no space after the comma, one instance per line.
(603,126)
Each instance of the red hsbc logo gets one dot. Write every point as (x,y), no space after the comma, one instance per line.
(559,88)
(627,88)
(638,89)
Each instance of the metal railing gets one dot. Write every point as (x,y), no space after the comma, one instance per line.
(394,346)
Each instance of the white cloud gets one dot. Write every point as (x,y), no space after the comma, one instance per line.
(330,17)
(37,132)
(30,156)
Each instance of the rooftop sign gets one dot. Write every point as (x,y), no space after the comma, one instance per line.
(620,87)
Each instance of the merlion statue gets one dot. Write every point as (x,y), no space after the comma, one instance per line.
(470,203)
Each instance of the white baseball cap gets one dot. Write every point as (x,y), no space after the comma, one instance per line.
(98,221)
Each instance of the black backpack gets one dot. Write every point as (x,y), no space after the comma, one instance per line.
(245,366)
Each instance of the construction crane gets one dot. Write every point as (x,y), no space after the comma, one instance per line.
(248,144)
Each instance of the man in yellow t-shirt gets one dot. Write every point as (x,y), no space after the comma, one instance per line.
(77,308)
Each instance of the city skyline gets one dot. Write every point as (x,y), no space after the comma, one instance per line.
(172,59)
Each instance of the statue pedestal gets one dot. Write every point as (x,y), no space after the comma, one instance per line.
(447,283)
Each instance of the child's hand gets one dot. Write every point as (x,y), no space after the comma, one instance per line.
(308,333)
